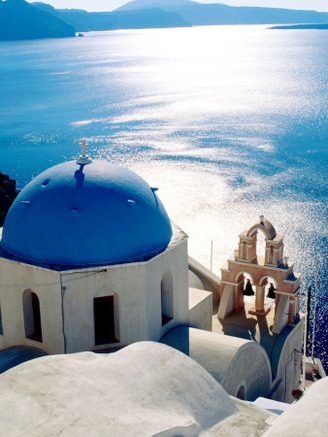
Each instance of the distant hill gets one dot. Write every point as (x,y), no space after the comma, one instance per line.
(207,14)
(149,4)
(20,20)
(175,13)
(135,19)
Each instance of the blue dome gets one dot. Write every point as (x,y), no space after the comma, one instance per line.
(84,215)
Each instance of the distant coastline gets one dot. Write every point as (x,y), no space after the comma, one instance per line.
(303,26)
(20,20)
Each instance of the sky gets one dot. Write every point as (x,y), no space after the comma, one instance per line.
(109,5)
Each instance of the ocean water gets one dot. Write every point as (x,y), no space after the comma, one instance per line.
(230,122)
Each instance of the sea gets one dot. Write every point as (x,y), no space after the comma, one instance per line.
(229,122)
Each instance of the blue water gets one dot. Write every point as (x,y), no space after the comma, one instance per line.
(229,122)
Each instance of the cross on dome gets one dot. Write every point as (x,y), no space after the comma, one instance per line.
(84,145)
(84,159)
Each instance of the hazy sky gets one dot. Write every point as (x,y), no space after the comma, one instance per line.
(108,5)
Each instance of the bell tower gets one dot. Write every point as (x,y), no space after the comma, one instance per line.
(245,261)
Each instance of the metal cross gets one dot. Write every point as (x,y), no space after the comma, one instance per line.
(84,145)
(84,159)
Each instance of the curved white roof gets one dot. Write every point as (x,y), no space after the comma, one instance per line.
(145,389)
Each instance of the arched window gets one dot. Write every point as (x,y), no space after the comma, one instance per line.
(167,298)
(241,393)
(32,316)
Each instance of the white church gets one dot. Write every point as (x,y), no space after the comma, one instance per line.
(91,261)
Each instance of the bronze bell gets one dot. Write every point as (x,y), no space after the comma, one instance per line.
(271,293)
(248,290)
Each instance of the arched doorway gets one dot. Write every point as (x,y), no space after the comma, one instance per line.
(241,393)
(167,298)
(32,316)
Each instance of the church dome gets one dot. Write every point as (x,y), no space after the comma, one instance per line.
(86,215)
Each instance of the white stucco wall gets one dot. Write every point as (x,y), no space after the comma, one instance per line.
(126,283)
(200,308)
(136,288)
(174,260)
(67,301)
(226,303)
(287,364)
(15,278)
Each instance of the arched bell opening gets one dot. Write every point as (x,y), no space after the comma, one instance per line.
(246,289)
(259,245)
(260,241)
(248,285)
(270,286)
